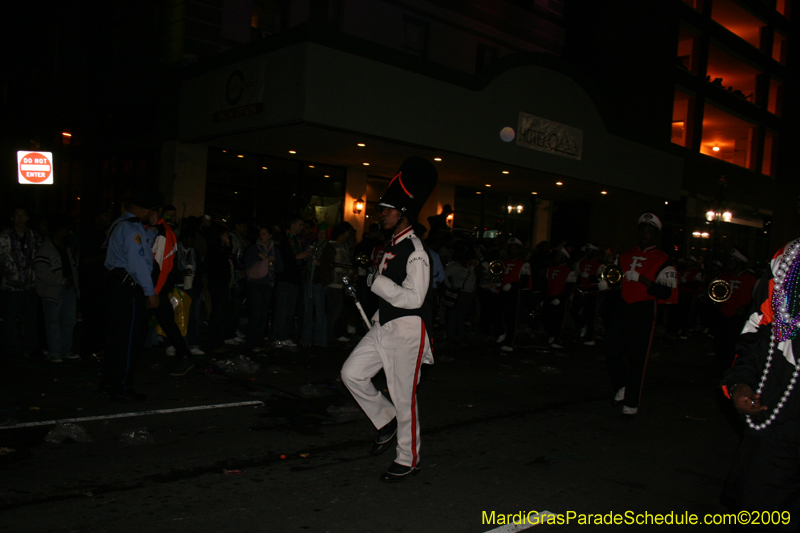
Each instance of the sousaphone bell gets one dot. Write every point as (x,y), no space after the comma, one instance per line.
(719,291)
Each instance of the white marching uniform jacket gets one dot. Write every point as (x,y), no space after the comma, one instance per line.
(398,342)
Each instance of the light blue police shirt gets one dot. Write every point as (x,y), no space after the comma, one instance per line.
(130,247)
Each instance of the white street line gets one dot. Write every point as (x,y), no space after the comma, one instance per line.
(138,413)
(539,518)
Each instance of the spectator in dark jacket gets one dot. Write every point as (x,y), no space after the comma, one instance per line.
(219,271)
(57,285)
(261,261)
(288,283)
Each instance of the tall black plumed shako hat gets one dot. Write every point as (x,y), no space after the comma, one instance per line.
(411,187)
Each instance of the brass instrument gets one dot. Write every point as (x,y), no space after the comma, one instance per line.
(497,269)
(363,261)
(719,291)
(611,274)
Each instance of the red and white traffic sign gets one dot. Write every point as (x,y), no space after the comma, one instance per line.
(35,168)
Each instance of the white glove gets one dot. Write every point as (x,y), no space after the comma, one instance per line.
(556,301)
(371,277)
(507,287)
(632,275)
(602,285)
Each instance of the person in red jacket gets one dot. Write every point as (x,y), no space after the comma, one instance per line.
(649,279)
(517,275)
(733,311)
(589,270)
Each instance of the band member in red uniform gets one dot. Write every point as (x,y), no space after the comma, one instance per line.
(516,276)
(589,269)
(560,282)
(398,340)
(649,279)
(733,311)
(690,286)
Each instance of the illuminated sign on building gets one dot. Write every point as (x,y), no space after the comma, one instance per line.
(547,136)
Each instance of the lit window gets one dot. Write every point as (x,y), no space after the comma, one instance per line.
(681,105)
(686,45)
(779,46)
(729,73)
(734,137)
(775,101)
(738,20)
(780,7)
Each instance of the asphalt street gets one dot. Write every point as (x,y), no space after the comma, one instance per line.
(532,430)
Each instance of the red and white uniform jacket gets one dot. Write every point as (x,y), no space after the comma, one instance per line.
(741,292)
(690,280)
(654,265)
(558,276)
(589,270)
(515,270)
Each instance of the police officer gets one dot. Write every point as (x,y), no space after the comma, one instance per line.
(129,291)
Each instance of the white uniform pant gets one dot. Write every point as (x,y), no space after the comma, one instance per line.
(400,347)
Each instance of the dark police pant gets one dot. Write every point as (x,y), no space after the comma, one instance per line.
(127,326)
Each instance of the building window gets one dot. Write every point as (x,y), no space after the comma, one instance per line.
(728,138)
(775,102)
(682,108)
(731,74)
(688,40)
(415,36)
(737,20)
(770,151)
(486,55)
(779,47)
(782,7)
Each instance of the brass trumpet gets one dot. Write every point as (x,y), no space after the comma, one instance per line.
(719,291)
(611,274)
(497,269)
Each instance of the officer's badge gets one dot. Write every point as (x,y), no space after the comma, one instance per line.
(137,239)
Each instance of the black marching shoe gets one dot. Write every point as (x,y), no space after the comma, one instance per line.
(129,396)
(398,472)
(384,439)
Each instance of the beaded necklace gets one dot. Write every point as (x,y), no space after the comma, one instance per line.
(786,322)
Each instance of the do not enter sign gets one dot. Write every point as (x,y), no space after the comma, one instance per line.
(35,168)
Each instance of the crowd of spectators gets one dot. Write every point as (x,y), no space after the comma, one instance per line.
(257,286)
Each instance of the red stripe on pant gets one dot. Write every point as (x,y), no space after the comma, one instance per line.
(414,398)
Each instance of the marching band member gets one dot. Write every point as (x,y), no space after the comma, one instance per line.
(561,280)
(733,311)
(399,340)
(649,279)
(589,269)
(516,276)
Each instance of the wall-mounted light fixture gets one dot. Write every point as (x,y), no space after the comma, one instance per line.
(358,206)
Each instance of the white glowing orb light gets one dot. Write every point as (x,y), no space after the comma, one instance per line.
(508,134)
